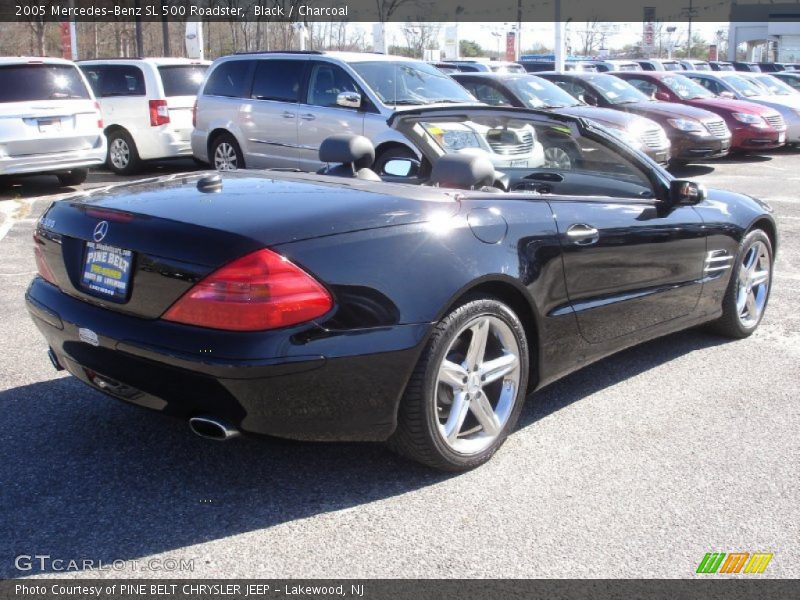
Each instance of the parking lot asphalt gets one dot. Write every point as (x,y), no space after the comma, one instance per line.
(633,467)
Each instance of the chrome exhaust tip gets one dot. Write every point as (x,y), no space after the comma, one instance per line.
(212,428)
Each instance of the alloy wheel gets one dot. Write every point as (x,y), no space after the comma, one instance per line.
(477,385)
(556,158)
(120,153)
(754,280)
(225,158)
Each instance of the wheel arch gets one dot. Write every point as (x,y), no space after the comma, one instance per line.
(215,133)
(511,293)
(114,127)
(768,226)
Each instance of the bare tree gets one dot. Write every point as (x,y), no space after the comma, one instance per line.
(589,37)
(420,37)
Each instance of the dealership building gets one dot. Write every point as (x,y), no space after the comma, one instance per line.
(769,31)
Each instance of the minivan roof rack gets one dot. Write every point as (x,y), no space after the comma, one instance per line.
(281,52)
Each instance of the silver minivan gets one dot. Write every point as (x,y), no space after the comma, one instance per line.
(273,109)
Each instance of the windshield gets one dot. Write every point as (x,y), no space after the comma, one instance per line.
(745,87)
(23,83)
(410,83)
(183,80)
(540,93)
(775,85)
(686,88)
(616,91)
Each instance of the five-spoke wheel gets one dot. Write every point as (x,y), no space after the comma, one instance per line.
(467,390)
(748,291)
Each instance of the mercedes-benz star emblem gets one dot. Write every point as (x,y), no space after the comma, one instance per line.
(100,231)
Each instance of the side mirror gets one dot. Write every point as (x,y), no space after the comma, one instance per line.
(727,94)
(401,167)
(663,96)
(590,99)
(684,192)
(349,100)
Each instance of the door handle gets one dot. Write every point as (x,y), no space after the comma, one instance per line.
(581,234)
(308,117)
(288,115)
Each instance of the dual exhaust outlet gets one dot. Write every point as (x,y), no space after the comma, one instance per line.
(212,428)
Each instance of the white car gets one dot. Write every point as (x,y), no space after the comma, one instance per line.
(49,120)
(147,106)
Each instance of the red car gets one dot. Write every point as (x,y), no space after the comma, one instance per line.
(754,127)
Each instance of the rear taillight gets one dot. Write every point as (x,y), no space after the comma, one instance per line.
(261,290)
(99,115)
(194,114)
(159,113)
(41,264)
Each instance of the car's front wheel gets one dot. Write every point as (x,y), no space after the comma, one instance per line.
(467,390)
(748,291)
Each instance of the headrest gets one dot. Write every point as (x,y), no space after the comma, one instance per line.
(347,148)
(463,171)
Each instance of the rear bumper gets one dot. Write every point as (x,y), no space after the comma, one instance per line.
(48,163)
(297,383)
(199,145)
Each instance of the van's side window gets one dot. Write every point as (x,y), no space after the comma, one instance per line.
(278,80)
(108,81)
(327,81)
(230,79)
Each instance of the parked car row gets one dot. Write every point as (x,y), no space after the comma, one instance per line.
(274,109)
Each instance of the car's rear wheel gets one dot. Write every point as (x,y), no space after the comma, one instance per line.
(748,291)
(123,157)
(73,177)
(467,390)
(226,154)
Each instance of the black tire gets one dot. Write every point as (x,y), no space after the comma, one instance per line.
(732,323)
(228,147)
(391,154)
(122,157)
(73,177)
(418,434)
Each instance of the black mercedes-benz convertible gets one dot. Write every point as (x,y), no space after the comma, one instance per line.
(418,306)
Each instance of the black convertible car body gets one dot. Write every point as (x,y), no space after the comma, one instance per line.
(339,308)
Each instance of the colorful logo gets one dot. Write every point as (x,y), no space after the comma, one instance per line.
(736,562)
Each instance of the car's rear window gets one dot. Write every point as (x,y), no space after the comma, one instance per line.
(23,83)
(182,80)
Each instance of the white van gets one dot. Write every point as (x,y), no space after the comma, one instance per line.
(147,107)
(49,120)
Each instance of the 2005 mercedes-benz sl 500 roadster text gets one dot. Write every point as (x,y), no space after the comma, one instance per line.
(419,305)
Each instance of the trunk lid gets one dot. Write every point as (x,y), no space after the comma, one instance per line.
(145,244)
